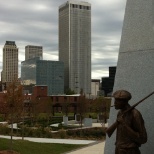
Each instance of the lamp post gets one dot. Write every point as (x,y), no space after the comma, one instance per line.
(35,103)
(11,106)
(104,111)
(23,122)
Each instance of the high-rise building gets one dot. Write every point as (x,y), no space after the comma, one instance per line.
(75,44)
(32,51)
(108,82)
(95,87)
(10,62)
(43,72)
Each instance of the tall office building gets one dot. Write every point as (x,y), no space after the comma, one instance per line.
(32,51)
(75,44)
(10,62)
(95,87)
(108,82)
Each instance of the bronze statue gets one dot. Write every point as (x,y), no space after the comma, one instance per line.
(131,132)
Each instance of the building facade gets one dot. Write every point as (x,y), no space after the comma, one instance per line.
(43,72)
(108,82)
(75,44)
(10,62)
(28,71)
(95,87)
(32,51)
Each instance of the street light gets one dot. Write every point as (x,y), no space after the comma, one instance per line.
(24,104)
(37,99)
(23,121)
(11,106)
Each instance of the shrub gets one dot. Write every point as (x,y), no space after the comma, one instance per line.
(47,133)
(62,133)
(88,132)
(4,129)
(2,117)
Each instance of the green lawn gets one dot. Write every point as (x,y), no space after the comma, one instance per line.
(27,147)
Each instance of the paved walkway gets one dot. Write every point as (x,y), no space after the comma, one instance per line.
(50,140)
(93,147)
(97,148)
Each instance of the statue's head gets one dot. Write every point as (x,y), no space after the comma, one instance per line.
(121,98)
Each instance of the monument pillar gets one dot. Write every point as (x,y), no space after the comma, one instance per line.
(135,67)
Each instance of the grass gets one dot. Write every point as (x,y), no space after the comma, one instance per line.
(27,147)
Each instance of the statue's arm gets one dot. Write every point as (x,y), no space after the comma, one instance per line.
(111,129)
(138,134)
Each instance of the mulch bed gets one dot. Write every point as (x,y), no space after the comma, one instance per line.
(8,152)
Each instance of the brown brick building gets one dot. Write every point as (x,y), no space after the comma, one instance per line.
(40,102)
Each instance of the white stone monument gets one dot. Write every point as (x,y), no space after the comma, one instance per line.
(87,122)
(135,68)
(65,120)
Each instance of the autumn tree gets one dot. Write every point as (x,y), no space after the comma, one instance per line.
(14,99)
(101,105)
(82,106)
(69,92)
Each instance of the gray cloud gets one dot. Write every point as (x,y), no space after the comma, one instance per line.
(36,22)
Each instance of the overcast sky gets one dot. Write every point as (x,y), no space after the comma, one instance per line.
(35,22)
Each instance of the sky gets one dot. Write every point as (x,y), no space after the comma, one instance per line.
(35,22)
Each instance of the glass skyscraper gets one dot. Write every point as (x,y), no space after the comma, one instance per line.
(43,72)
(75,44)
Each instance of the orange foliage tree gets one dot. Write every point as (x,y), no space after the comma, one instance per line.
(14,99)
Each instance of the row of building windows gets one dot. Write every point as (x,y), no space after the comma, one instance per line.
(11,67)
(33,47)
(76,6)
(65,98)
(7,49)
(80,7)
(32,51)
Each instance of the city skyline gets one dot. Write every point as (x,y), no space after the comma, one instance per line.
(37,24)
